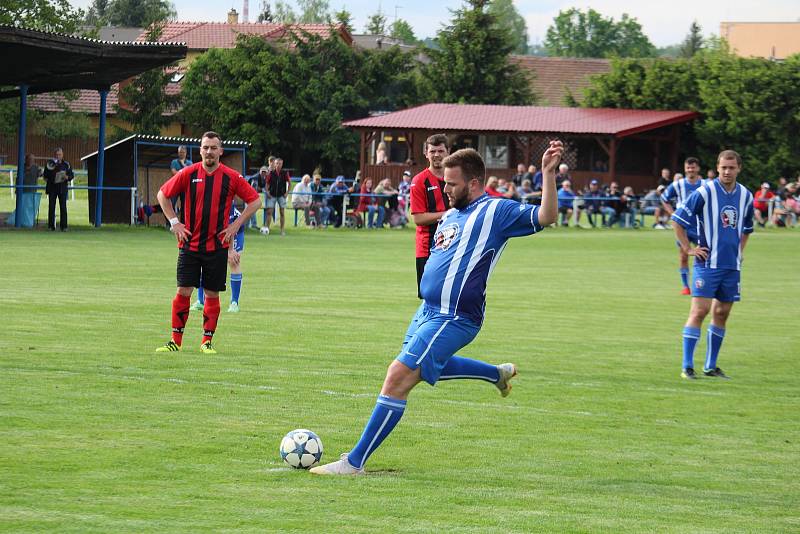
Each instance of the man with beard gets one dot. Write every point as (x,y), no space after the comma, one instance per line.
(467,245)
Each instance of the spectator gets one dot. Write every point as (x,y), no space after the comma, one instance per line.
(507,189)
(526,192)
(613,205)
(337,192)
(792,203)
(381,154)
(651,205)
(257,181)
(370,203)
(176,165)
(563,174)
(566,197)
(711,175)
(761,202)
(404,190)
(676,177)
(31,174)
(600,165)
(278,182)
(57,173)
(592,202)
(536,180)
(781,189)
(629,211)
(301,197)
(389,194)
(321,210)
(517,178)
(491,187)
(664,179)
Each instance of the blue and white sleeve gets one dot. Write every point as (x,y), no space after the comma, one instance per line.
(747,222)
(684,215)
(516,220)
(669,193)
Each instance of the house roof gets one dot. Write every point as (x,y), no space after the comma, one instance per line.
(45,61)
(524,119)
(205,35)
(556,77)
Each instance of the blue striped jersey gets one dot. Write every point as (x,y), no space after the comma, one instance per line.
(679,192)
(466,247)
(238,239)
(722,219)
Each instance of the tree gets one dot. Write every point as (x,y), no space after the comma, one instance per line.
(265,15)
(376,24)
(139,13)
(97,14)
(693,42)
(345,18)
(314,11)
(46,15)
(284,13)
(508,17)
(473,64)
(403,31)
(575,33)
(146,99)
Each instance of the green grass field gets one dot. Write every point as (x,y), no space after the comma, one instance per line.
(99,434)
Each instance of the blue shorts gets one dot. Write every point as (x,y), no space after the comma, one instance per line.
(720,284)
(432,338)
(281,201)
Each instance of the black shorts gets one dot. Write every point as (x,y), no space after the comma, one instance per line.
(420,269)
(212,266)
(563,210)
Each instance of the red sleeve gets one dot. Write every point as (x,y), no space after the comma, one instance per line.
(419,197)
(178,184)
(243,190)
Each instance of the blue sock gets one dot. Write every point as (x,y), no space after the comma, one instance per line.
(715,337)
(690,337)
(201,298)
(236,286)
(458,367)
(385,416)
(684,276)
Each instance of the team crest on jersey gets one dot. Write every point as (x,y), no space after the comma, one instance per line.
(445,236)
(729,216)
(699,283)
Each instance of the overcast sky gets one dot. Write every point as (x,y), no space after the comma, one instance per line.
(664,22)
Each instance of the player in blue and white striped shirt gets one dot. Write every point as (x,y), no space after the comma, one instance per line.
(723,211)
(679,192)
(467,244)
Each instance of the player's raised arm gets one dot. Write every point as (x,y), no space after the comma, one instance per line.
(550,160)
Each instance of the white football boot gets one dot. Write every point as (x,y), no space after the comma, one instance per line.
(507,371)
(339,467)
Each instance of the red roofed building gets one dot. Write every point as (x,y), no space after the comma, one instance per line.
(607,144)
(556,78)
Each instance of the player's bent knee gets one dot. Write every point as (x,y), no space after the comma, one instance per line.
(400,380)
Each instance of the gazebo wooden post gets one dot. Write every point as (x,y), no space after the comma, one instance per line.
(612,159)
(676,141)
(362,162)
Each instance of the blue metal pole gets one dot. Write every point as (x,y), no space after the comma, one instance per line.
(101,153)
(23,115)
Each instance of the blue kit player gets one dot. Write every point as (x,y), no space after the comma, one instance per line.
(466,246)
(724,211)
(234,261)
(678,192)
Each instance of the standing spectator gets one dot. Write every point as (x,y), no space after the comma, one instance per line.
(517,178)
(665,178)
(761,204)
(31,174)
(563,174)
(592,202)
(718,257)
(337,192)
(711,174)
(258,181)
(566,198)
(57,173)
(537,179)
(612,208)
(278,182)
(204,243)
(404,191)
(301,197)
(428,201)
(321,210)
(381,154)
(370,204)
(174,167)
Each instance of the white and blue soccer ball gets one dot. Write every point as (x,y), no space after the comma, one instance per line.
(301,449)
(264,230)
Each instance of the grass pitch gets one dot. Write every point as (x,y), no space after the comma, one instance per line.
(100,434)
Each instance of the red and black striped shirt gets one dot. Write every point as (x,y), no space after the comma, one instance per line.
(208,199)
(427,196)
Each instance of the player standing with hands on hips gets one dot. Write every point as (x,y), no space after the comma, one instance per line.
(204,234)
(466,246)
(724,211)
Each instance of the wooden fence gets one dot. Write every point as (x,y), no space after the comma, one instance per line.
(42,148)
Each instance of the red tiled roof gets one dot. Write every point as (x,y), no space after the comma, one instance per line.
(524,119)
(88,101)
(205,35)
(555,77)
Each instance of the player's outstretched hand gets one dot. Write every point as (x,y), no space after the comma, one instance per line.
(700,252)
(552,156)
(181,233)
(226,236)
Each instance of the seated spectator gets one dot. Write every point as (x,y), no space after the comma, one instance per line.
(526,192)
(612,206)
(563,174)
(318,203)
(301,197)
(665,179)
(491,187)
(792,203)
(507,189)
(566,196)
(630,207)
(761,202)
(337,192)
(592,202)
(651,205)
(390,198)
(370,203)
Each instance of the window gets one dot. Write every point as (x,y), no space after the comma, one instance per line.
(495,151)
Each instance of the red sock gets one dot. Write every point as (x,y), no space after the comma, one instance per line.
(210,316)
(180,313)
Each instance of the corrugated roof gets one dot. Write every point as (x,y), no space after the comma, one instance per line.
(171,140)
(205,35)
(524,119)
(555,77)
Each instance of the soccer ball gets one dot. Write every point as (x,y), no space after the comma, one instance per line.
(301,449)
(264,230)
